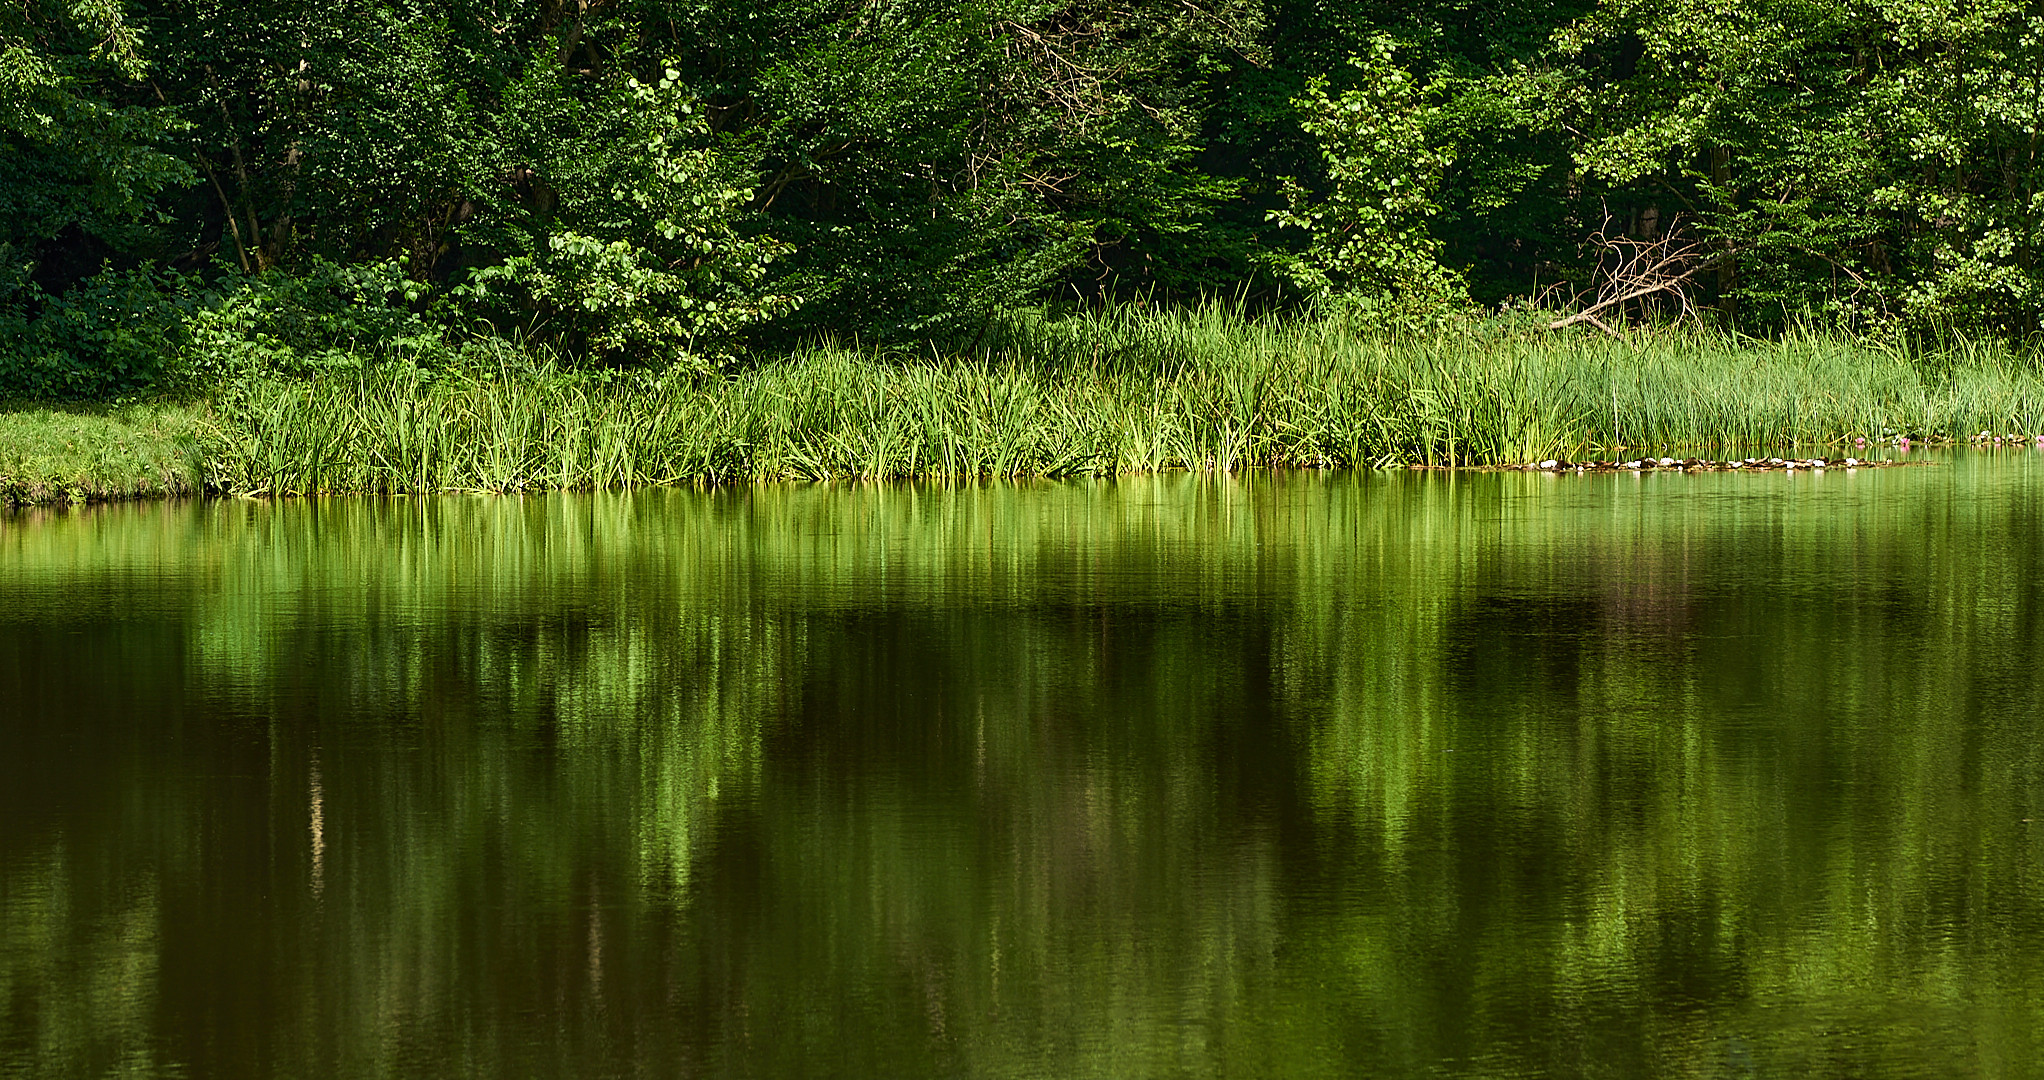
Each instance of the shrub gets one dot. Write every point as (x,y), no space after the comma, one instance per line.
(116,335)
(325,317)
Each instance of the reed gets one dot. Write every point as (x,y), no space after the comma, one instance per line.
(1124,390)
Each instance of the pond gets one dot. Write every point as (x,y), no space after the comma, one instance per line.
(1293,775)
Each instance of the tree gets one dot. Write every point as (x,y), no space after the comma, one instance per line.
(1369,244)
(1869,162)
(80,158)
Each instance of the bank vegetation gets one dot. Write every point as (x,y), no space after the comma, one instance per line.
(386,246)
(1124,391)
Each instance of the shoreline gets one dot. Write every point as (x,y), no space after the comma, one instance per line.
(80,490)
(1115,395)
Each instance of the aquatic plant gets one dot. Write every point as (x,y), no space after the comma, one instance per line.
(1117,391)
(1124,390)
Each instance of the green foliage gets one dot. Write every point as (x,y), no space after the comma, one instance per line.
(669,186)
(354,132)
(891,161)
(323,319)
(117,334)
(74,155)
(1370,247)
(638,247)
(936,164)
(1876,163)
(1971,126)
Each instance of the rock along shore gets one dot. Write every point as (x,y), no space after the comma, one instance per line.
(1692,464)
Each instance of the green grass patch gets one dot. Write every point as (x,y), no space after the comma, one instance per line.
(1123,391)
(90,454)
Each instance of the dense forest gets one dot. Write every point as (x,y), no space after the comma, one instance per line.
(188,187)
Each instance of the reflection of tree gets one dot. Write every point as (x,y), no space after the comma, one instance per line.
(1682,748)
(89,963)
(1483,774)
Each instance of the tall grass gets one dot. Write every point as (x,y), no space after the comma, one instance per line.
(1127,390)
(1121,391)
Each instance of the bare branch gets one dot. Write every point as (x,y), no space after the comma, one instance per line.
(1631,269)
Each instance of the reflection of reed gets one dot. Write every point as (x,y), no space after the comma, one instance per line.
(596,944)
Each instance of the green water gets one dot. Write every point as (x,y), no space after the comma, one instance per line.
(1303,775)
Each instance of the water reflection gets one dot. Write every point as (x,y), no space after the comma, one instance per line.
(1481,775)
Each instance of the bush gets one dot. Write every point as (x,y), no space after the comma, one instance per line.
(116,335)
(326,317)
(122,335)
(646,254)
(1370,249)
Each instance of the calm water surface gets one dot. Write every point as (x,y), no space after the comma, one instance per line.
(1306,775)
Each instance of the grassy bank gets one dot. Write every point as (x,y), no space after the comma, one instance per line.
(86,455)
(1126,391)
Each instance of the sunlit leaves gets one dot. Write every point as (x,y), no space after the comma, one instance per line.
(1872,162)
(1370,244)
